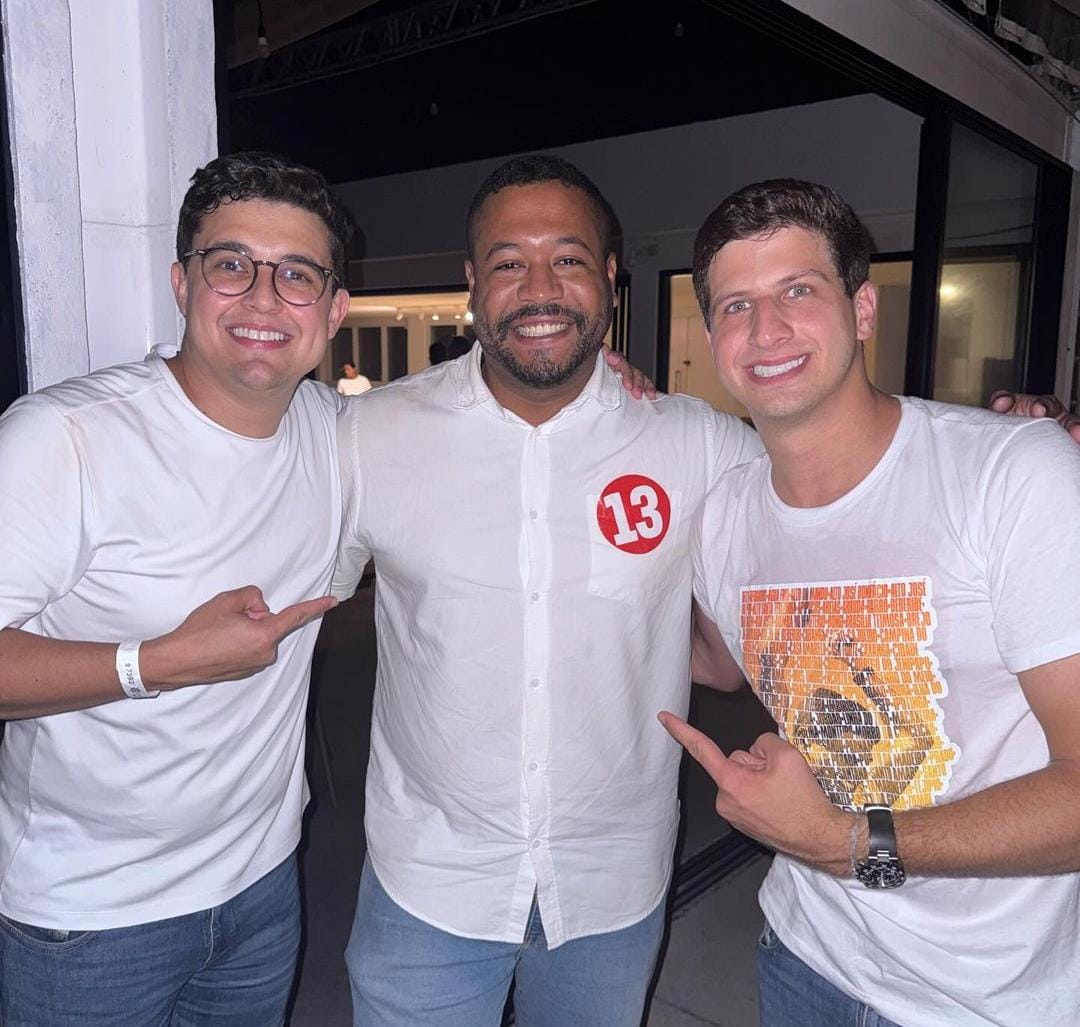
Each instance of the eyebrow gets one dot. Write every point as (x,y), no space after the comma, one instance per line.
(242,247)
(563,240)
(809,272)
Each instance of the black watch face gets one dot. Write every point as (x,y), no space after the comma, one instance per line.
(880,874)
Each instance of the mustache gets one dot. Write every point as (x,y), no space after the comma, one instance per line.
(502,326)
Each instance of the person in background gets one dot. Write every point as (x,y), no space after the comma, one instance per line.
(351,382)
(458,346)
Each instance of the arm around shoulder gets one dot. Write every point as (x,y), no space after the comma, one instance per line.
(711,662)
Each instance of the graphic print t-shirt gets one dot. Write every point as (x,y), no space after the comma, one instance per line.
(884,633)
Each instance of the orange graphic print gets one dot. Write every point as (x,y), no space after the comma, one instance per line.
(846,670)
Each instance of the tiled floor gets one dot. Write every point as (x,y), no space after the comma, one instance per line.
(707,975)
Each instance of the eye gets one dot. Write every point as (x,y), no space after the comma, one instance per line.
(737,307)
(230,263)
(571,261)
(799,289)
(508,265)
(298,273)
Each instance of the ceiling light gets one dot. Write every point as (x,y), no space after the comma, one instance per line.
(262,44)
(434,317)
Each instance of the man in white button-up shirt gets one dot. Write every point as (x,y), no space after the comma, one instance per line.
(530,529)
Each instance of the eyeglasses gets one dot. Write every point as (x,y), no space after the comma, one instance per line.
(232,273)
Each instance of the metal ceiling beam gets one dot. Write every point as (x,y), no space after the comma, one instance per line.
(385,39)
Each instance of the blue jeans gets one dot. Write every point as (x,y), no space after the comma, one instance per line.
(231,965)
(406,973)
(790,994)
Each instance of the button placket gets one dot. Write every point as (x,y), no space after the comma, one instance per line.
(537,539)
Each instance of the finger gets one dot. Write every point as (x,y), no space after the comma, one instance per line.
(616,361)
(769,745)
(747,759)
(699,745)
(296,616)
(247,597)
(1051,406)
(1002,401)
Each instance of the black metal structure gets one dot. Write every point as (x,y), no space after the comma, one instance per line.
(13,372)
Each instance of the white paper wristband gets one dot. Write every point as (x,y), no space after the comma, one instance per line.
(127,670)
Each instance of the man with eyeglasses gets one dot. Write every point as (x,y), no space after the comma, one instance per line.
(150,799)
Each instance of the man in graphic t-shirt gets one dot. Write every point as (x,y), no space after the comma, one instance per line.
(899,584)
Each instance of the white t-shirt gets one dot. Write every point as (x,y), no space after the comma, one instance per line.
(123,508)
(533,612)
(884,632)
(353,386)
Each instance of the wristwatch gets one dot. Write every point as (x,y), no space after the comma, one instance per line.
(882,868)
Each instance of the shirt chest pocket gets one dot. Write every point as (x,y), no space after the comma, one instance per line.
(636,543)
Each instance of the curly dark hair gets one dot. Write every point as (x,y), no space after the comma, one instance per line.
(765,207)
(256,175)
(535,169)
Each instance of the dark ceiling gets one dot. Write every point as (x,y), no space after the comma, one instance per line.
(586,72)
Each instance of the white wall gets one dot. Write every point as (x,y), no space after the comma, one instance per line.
(111,108)
(662,184)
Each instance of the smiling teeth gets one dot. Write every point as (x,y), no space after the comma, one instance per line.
(255,336)
(539,331)
(772,370)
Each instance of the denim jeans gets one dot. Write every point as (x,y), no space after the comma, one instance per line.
(231,965)
(406,973)
(790,994)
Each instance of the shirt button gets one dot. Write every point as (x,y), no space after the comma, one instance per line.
(534,683)
(533,515)
(536,843)
(533,766)
(535,596)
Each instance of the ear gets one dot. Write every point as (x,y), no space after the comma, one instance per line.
(865,304)
(178,276)
(470,277)
(339,307)
(612,273)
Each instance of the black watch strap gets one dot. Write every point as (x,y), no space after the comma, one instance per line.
(882,867)
(881,830)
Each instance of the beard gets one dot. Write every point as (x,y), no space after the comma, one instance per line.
(540,371)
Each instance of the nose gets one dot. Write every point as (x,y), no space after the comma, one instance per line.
(770,323)
(540,285)
(262,295)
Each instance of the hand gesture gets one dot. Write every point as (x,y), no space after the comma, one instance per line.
(1023,404)
(232,636)
(770,793)
(636,382)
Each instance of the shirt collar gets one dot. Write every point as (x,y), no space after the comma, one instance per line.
(603,386)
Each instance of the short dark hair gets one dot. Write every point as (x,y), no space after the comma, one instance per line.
(257,175)
(765,207)
(535,169)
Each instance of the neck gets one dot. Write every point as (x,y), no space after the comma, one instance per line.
(256,417)
(533,405)
(825,456)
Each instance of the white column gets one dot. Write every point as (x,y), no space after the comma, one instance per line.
(111,108)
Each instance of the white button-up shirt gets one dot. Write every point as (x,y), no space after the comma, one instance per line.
(533,615)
